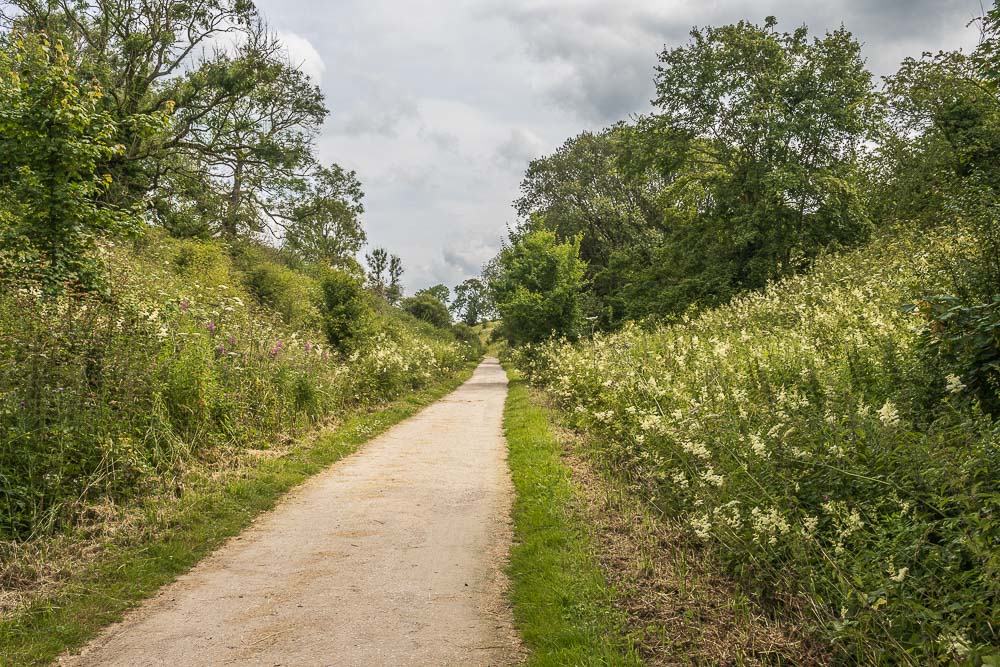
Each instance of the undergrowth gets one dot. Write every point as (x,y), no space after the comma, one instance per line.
(802,436)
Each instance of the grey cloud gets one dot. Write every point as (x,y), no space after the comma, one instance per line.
(605,55)
(381,120)
(469,256)
(518,150)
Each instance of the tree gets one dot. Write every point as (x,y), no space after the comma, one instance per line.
(439,292)
(54,137)
(471,303)
(536,284)
(237,156)
(395,288)
(150,57)
(586,189)
(255,152)
(384,273)
(324,224)
(429,309)
(773,127)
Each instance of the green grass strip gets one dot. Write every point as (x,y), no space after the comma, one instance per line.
(123,578)
(563,605)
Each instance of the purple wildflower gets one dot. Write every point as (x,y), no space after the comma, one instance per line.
(309,346)
(185,304)
(232,340)
(276,348)
(220,351)
(210,326)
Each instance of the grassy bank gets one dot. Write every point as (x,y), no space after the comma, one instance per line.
(563,605)
(804,437)
(210,512)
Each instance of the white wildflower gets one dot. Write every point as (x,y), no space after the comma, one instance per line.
(888,414)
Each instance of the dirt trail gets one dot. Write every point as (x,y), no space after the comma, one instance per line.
(390,557)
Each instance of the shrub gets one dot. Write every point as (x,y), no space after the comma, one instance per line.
(429,309)
(287,292)
(346,312)
(466,334)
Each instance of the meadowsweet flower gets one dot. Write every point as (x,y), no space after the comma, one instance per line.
(888,414)
(954,384)
(702,526)
(711,477)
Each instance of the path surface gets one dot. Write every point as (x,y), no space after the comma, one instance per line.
(390,557)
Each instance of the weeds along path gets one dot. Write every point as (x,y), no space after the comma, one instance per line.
(391,557)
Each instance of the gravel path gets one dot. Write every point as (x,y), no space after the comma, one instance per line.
(391,557)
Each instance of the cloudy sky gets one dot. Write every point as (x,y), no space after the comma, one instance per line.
(440,104)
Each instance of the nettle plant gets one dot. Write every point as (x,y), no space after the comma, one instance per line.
(798,433)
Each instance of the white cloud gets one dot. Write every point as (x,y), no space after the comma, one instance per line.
(302,54)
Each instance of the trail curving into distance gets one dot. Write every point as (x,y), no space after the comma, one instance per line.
(393,556)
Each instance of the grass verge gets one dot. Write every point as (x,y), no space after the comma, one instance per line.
(204,519)
(563,604)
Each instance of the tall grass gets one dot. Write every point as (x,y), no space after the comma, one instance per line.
(106,397)
(800,434)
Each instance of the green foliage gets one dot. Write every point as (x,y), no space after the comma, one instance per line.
(472,301)
(289,293)
(536,285)
(384,272)
(466,334)
(347,317)
(801,435)
(439,292)
(324,225)
(965,340)
(749,169)
(54,137)
(103,399)
(429,309)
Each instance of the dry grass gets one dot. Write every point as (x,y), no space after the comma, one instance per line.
(681,606)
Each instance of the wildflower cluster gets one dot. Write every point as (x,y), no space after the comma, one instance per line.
(796,433)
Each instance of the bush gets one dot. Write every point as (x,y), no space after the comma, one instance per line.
(783,431)
(287,292)
(466,334)
(429,309)
(346,313)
